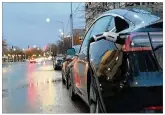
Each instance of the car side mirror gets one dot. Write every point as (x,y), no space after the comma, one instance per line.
(71,51)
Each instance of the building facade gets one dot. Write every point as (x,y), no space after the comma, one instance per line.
(78,36)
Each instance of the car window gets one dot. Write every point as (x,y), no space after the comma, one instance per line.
(101,25)
(85,41)
(98,27)
(120,24)
(111,25)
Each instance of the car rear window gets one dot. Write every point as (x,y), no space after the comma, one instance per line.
(143,61)
(59,61)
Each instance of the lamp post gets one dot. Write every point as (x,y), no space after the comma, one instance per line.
(62,27)
(71,24)
(61,32)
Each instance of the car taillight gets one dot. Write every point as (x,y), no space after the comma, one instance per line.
(154,108)
(136,42)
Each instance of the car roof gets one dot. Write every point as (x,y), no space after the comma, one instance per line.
(120,12)
(139,17)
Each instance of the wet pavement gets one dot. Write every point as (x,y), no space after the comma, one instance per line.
(36,88)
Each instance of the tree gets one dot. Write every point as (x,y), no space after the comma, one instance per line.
(63,45)
(4,46)
(34,51)
(53,48)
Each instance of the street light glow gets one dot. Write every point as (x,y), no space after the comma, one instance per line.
(60,30)
(47,20)
(62,33)
(14,49)
(34,46)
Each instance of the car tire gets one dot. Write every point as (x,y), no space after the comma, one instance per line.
(94,105)
(63,81)
(71,87)
(67,83)
(54,67)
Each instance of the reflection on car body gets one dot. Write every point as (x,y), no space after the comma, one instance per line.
(65,66)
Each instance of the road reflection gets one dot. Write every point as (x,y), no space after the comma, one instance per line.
(31,84)
(41,90)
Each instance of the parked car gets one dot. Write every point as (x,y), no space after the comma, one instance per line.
(57,62)
(119,66)
(32,60)
(68,59)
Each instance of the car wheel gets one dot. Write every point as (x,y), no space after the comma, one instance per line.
(94,105)
(67,83)
(54,67)
(71,89)
(63,81)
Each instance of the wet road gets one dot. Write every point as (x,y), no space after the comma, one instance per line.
(36,88)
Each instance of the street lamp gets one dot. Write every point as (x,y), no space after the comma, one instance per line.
(34,46)
(60,30)
(62,33)
(47,20)
(62,26)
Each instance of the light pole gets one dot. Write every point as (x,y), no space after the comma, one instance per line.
(62,27)
(34,46)
(62,33)
(71,24)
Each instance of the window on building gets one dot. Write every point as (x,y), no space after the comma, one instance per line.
(138,3)
(104,4)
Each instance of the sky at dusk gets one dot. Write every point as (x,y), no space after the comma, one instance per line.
(25,23)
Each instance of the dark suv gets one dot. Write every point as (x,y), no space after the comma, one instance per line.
(119,66)
(57,62)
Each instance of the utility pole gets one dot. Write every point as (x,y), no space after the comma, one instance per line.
(50,49)
(71,24)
